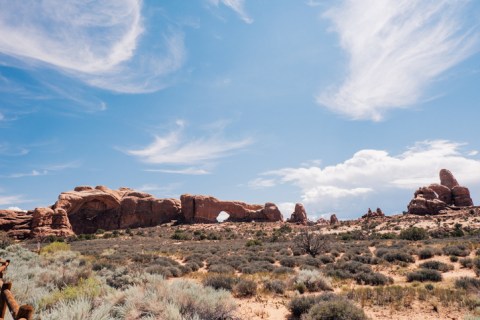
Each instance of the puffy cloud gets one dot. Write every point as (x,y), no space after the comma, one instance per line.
(395,49)
(375,174)
(103,43)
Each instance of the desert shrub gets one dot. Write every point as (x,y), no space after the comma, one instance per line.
(466,262)
(253,242)
(373,279)
(5,240)
(426,253)
(63,268)
(335,309)
(467,283)
(300,305)
(476,265)
(459,250)
(89,288)
(312,243)
(180,235)
(423,275)
(156,298)
(256,267)
(310,261)
(326,259)
(55,247)
(413,234)
(220,282)
(436,265)
(245,288)
(347,269)
(453,258)
(313,280)
(288,262)
(221,268)
(120,278)
(283,270)
(394,255)
(165,271)
(275,286)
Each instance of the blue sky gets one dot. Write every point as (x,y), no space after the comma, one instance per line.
(340,105)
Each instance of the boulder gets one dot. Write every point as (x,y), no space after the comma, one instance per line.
(334,219)
(443,193)
(461,197)
(205,209)
(421,206)
(299,215)
(447,179)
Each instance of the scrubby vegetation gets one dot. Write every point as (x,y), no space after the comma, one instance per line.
(182,272)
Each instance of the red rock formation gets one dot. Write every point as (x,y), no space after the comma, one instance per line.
(17,224)
(299,215)
(371,215)
(205,209)
(322,221)
(46,222)
(334,219)
(447,179)
(461,197)
(436,197)
(90,209)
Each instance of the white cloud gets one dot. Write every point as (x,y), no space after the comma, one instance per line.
(395,48)
(11,200)
(260,183)
(236,5)
(189,171)
(173,148)
(286,208)
(99,42)
(46,170)
(371,174)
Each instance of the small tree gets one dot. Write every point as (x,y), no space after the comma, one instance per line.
(5,240)
(312,243)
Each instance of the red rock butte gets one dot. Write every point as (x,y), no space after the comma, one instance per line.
(432,199)
(86,209)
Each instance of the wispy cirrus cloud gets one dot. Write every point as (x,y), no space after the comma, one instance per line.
(11,200)
(103,43)
(236,5)
(46,170)
(175,148)
(190,171)
(395,49)
(373,174)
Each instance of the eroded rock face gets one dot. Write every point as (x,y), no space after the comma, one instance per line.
(437,197)
(47,221)
(299,215)
(447,179)
(334,219)
(17,224)
(205,209)
(90,209)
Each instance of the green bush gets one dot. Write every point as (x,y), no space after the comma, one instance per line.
(466,262)
(253,242)
(423,275)
(413,234)
(55,247)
